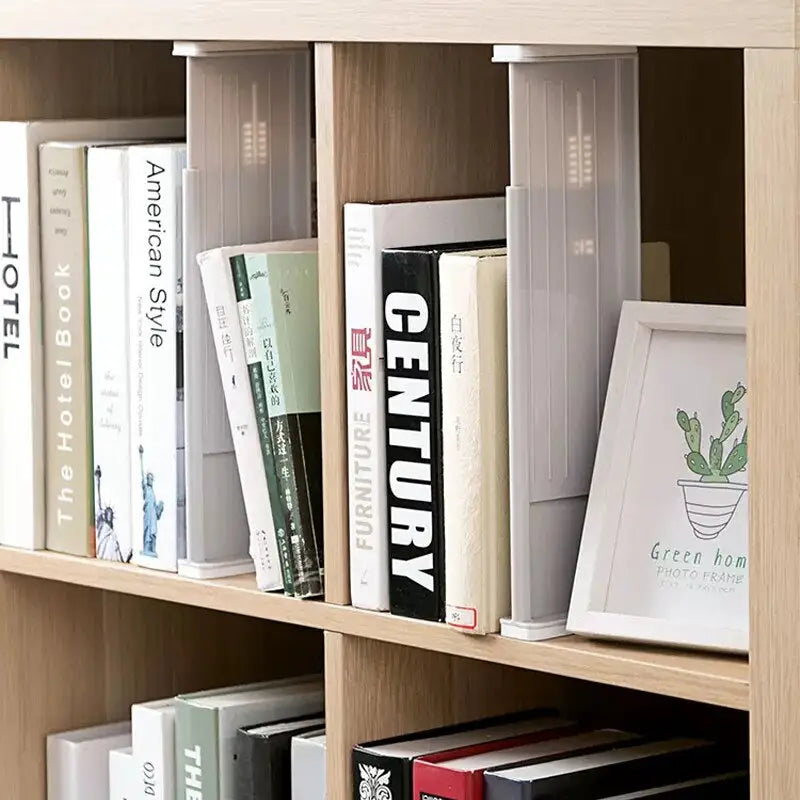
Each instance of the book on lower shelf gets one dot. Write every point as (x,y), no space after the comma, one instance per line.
(263,758)
(122,775)
(309,766)
(206,725)
(78,761)
(153,730)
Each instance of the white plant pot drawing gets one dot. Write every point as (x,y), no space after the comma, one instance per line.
(711,506)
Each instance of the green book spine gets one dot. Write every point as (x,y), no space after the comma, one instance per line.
(196,751)
(286,307)
(258,388)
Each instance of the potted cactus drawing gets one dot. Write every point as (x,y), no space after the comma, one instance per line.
(712,498)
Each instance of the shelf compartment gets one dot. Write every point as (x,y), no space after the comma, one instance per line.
(718,680)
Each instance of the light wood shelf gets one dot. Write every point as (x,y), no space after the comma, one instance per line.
(688,23)
(716,680)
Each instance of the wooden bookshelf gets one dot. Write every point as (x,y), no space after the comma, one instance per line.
(708,23)
(716,680)
(404,109)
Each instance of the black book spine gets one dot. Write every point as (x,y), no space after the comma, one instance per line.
(380,777)
(413,434)
(245,761)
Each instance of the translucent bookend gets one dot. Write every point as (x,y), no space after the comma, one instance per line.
(249,180)
(574,256)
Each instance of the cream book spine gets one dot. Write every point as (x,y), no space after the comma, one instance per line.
(153,726)
(475,439)
(156,361)
(223,313)
(108,301)
(368,230)
(69,521)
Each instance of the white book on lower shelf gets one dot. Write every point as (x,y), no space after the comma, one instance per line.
(153,729)
(308,766)
(122,775)
(77,761)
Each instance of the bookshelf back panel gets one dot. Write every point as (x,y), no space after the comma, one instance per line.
(74,657)
(97,79)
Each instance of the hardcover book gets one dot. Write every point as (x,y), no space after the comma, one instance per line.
(413,413)
(308,766)
(156,355)
(369,229)
(474,364)
(606,773)
(206,725)
(385,767)
(263,758)
(282,320)
(22,469)
(460,776)
(77,761)
(153,727)
(121,775)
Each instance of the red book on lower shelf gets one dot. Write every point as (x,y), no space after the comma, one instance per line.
(458,775)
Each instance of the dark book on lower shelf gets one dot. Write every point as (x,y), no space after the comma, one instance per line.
(731,786)
(602,775)
(413,408)
(384,768)
(263,758)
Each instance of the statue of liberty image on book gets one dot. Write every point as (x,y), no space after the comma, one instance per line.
(107,542)
(152,510)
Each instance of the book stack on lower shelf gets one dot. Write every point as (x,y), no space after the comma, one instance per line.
(261,741)
(541,755)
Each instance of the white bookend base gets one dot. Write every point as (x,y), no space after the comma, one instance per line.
(206,570)
(547,628)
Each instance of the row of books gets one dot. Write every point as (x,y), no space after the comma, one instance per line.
(253,742)
(92,230)
(539,754)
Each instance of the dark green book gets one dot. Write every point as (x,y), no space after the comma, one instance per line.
(258,388)
(285,305)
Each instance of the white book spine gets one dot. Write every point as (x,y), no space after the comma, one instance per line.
(369,545)
(154,752)
(121,775)
(108,291)
(474,441)
(21,377)
(224,315)
(155,303)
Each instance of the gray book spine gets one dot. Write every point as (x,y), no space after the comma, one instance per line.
(196,752)
(68,398)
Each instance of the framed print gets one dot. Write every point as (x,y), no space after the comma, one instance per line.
(663,557)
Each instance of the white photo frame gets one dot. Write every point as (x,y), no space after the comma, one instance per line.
(664,561)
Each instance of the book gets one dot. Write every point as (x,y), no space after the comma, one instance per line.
(308,766)
(386,765)
(121,775)
(474,364)
(613,771)
(368,230)
(732,786)
(260,491)
(206,725)
(460,776)
(107,212)
(263,758)
(153,730)
(156,358)
(22,469)
(413,414)
(78,760)
(279,315)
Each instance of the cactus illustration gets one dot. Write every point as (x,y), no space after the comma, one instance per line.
(714,469)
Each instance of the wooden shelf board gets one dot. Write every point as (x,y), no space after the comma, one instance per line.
(715,679)
(710,23)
